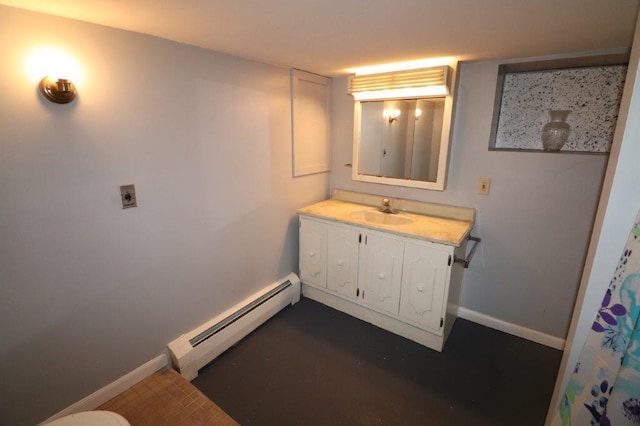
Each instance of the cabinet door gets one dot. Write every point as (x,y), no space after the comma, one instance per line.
(311,115)
(342,253)
(381,272)
(424,279)
(313,253)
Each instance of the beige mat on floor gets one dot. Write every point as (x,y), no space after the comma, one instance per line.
(166,398)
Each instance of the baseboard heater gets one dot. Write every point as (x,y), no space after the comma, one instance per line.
(193,350)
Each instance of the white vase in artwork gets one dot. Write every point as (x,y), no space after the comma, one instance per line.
(556,132)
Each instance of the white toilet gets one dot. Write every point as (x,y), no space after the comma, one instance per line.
(91,418)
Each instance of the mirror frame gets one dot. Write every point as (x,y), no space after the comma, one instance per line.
(445,140)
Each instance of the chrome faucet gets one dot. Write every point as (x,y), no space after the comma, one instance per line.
(386,207)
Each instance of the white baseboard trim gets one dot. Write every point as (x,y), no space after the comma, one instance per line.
(510,328)
(113,389)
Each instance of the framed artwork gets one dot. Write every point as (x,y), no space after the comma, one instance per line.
(568,105)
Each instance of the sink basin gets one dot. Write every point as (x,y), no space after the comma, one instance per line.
(381,218)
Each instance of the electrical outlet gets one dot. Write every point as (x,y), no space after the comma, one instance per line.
(128,196)
(483,185)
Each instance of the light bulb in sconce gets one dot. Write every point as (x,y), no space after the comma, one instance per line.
(57,72)
(60,91)
(418,113)
(391,114)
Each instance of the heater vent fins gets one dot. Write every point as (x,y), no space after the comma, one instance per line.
(211,331)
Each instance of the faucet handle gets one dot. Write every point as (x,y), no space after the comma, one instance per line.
(385,202)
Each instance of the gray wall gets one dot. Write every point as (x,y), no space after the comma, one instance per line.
(535,224)
(90,291)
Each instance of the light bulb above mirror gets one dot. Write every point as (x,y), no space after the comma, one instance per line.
(413,83)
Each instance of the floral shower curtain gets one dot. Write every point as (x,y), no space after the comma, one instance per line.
(605,386)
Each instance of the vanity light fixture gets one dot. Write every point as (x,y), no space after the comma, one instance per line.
(416,83)
(60,91)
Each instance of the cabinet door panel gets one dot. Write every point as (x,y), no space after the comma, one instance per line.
(342,253)
(381,269)
(313,249)
(425,275)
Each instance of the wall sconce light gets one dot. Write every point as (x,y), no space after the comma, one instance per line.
(418,83)
(60,91)
(391,114)
(61,73)
(418,113)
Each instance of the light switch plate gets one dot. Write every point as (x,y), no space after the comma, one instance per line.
(483,185)
(128,196)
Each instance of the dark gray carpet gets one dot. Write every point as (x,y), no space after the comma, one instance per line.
(312,365)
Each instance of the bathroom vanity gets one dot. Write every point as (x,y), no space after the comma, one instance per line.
(400,271)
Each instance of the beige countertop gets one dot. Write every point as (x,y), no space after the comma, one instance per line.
(430,228)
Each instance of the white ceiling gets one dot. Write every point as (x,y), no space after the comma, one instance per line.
(332,36)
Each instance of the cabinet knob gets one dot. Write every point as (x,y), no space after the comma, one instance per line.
(340,262)
(381,275)
(420,288)
(312,254)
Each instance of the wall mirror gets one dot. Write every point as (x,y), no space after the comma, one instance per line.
(402,142)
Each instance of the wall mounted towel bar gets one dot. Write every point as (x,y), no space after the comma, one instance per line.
(465,262)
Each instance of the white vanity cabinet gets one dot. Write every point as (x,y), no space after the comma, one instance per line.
(342,260)
(398,283)
(381,271)
(313,253)
(426,272)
